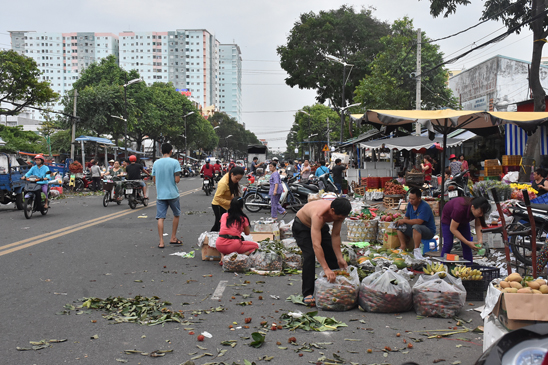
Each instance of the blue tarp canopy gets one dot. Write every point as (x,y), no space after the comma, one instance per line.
(100,140)
(130,151)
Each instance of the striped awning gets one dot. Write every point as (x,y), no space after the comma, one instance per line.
(516,138)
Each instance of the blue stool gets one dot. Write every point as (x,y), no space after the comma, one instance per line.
(426,246)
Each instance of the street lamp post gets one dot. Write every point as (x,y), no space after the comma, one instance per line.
(186,148)
(134,81)
(345,80)
(226,145)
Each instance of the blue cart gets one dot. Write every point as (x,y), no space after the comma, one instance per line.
(11,185)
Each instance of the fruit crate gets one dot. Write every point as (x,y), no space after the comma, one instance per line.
(359,190)
(474,290)
(393,202)
(488,273)
(493,170)
(373,182)
(491,163)
(511,160)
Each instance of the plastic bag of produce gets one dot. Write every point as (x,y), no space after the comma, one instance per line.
(385,292)
(289,242)
(349,254)
(267,261)
(236,262)
(286,229)
(342,295)
(435,297)
(293,261)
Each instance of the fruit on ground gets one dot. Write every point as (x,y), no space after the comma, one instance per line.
(201,337)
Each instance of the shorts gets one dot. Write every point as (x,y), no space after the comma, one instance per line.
(426,233)
(142,183)
(161,208)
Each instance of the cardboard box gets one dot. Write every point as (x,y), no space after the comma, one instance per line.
(390,238)
(520,310)
(210,253)
(261,236)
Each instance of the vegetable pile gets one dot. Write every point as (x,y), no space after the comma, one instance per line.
(393,188)
(341,295)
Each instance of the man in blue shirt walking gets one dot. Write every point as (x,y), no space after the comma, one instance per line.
(419,221)
(166,175)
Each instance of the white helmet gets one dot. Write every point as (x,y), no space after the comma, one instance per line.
(207,160)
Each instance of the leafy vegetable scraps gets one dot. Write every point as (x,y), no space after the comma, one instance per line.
(311,322)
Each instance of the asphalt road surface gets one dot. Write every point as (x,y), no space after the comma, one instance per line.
(82,249)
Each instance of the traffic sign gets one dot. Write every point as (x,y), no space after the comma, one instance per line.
(325,148)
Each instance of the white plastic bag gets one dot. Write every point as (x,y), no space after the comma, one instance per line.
(342,295)
(236,262)
(293,260)
(385,292)
(267,261)
(435,297)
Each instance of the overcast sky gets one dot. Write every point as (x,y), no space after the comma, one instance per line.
(258,27)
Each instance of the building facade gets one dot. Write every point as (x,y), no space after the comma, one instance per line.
(230,80)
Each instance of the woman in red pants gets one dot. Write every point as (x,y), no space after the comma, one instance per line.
(233,224)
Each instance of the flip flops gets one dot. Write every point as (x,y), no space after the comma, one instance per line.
(310,301)
(178,242)
(161,247)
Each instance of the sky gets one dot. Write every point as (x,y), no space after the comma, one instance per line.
(258,27)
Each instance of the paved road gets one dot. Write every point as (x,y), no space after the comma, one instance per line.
(81,249)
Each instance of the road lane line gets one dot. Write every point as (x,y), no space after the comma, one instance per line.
(218,293)
(12,247)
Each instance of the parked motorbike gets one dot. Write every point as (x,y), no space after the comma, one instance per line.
(188,171)
(33,200)
(257,198)
(133,191)
(325,183)
(458,185)
(207,185)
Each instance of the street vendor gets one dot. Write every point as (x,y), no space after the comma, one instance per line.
(455,222)
(419,221)
(311,232)
(539,182)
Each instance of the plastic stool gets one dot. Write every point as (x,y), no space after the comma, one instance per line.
(426,246)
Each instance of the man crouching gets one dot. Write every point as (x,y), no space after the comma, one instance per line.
(311,232)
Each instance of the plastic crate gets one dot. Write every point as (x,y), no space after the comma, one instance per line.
(493,170)
(373,182)
(491,163)
(511,160)
(543,199)
(489,273)
(474,290)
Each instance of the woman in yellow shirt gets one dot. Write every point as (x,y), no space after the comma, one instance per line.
(227,188)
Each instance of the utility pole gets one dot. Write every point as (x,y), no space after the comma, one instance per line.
(73,135)
(328,133)
(342,102)
(418,77)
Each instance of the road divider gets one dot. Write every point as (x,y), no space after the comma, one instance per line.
(19,245)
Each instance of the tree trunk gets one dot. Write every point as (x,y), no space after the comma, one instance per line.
(532,147)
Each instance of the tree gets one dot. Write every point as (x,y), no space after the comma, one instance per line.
(314,125)
(514,14)
(344,33)
(389,84)
(228,126)
(19,140)
(20,85)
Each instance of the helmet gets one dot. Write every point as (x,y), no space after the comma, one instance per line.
(132,158)
(207,160)
(41,157)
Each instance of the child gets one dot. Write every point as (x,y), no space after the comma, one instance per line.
(233,224)
(401,177)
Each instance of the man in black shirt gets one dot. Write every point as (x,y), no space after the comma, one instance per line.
(338,174)
(133,171)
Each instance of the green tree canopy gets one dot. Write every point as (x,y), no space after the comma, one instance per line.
(228,126)
(19,140)
(344,33)
(19,84)
(389,84)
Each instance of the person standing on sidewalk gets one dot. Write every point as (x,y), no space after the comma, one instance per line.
(166,175)
(275,192)
(338,174)
(95,176)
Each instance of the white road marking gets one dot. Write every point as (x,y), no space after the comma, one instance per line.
(218,293)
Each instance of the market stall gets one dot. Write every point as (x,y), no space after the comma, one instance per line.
(103,142)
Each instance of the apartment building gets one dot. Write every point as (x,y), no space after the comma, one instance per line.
(61,57)
(230,80)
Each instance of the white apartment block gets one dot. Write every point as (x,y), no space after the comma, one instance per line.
(230,80)
(188,58)
(61,57)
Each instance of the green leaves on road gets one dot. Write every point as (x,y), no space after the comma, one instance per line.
(258,340)
(311,322)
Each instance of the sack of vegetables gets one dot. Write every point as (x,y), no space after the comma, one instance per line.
(342,295)
(436,297)
(236,262)
(293,260)
(385,292)
(267,261)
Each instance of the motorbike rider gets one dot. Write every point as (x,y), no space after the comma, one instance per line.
(217,167)
(208,171)
(42,172)
(231,165)
(133,171)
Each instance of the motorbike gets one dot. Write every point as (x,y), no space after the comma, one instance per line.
(325,183)
(257,198)
(133,191)
(207,185)
(527,345)
(218,176)
(458,185)
(33,200)
(110,192)
(188,172)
